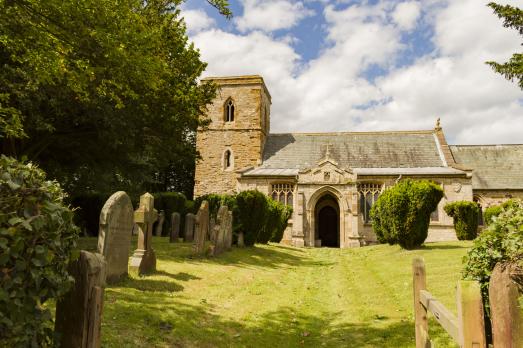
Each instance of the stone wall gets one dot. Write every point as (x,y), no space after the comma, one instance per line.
(244,137)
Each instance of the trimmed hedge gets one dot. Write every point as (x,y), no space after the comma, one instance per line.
(401,215)
(253,211)
(170,202)
(466,216)
(501,241)
(37,238)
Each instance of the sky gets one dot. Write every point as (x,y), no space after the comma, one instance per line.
(341,65)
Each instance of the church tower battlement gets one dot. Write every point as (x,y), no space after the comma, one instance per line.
(234,139)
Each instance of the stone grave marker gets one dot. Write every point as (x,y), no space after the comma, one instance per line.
(201,228)
(114,236)
(228,235)
(79,313)
(144,260)
(189,227)
(221,226)
(175,228)
(159,225)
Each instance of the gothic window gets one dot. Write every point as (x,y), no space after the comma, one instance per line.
(369,194)
(229,110)
(283,193)
(227,159)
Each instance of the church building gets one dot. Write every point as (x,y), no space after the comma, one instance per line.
(331,180)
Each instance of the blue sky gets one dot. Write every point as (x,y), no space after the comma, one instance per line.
(369,65)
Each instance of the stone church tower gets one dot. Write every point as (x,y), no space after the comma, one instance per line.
(235,137)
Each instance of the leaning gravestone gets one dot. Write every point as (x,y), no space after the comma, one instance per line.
(201,228)
(175,227)
(143,260)
(159,225)
(79,313)
(189,227)
(114,236)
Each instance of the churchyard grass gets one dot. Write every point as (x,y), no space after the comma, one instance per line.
(278,296)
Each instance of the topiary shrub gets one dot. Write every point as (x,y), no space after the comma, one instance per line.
(284,214)
(465,215)
(401,215)
(493,211)
(252,211)
(37,237)
(277,216)
(501,241)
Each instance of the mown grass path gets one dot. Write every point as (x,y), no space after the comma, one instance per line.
(277,296)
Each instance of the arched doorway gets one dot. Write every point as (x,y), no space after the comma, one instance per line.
(327,214)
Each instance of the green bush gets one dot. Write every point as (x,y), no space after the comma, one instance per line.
(501,241)
(215,201)
(252,208)
(493,211)
(401,215)
(279,220)
(465,215)
(37,237)
(170,202)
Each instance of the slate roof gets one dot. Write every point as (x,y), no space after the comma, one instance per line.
(409,149)
(494,166)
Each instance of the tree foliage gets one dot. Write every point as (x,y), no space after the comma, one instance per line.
(512,18)
(466,218)
(37,236)
(401,215)
(502,241)
(106,92)
(492,212)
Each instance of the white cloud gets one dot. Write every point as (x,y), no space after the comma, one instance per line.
(197,20)
(330,92)
(406,14)
(271,15)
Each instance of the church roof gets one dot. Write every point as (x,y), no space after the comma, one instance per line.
(407,149)
(494,166)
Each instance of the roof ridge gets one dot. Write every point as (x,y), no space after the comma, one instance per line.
(366,133)
(488,145)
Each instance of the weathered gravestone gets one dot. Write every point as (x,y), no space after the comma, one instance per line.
(189,227)
(212,231)
(241,241)
(506,301)
(114,236)
(175,227)
(144,260)
(201,229)
(79,313)
(159,225)
(220,230)
(228,235)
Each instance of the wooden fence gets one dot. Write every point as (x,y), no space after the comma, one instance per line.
(467,329)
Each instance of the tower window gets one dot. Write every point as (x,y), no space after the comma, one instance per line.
(227,160)
(229,110)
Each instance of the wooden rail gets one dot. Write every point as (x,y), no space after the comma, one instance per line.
(467,329)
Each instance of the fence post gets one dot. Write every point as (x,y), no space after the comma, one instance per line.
(470,315)
(420,313)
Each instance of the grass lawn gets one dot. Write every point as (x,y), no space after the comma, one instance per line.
(278,296)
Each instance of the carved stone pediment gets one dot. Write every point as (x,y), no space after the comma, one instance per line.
(327,172)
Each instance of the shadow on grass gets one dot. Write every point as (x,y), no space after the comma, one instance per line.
(182,276)
(430,246)
(148,284)
(199,326)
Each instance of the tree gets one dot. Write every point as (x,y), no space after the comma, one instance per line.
(103,94)
(512,18)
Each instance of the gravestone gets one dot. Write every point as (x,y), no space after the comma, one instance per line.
(241,242)
(79,313)
(144,260)
(220,230)
(175,227)
(228,234)
(201,228)
(212,230)
(114,236)
(189,227)
(159,225)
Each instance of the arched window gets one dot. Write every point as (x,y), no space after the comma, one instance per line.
(227,159)
(283,193)
(229,110)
